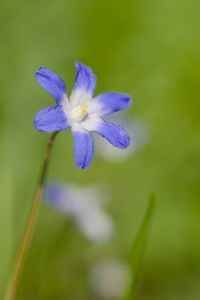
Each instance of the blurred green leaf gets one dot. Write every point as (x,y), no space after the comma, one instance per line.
(138,249)
(6,213)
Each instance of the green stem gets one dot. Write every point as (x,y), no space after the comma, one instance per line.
(30,227)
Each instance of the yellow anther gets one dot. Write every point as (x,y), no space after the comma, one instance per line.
(79,112)
(85,107)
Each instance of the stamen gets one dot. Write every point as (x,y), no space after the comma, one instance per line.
(79,112)
(85,107)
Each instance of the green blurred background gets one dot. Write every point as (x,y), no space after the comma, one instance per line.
(149,49)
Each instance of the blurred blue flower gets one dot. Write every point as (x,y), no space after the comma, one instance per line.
(81,112)
(84,205)
(109,278)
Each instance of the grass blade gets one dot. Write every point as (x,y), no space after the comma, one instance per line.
(138,249)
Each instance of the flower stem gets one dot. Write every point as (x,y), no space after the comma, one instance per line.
(30,227)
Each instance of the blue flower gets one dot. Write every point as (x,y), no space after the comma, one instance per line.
(84,206)
(81,112)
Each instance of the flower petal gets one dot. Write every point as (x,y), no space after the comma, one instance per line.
(54,194)
(83,148)
(84,87)
(115,134)
(52,83)
(51,119)
(109,103)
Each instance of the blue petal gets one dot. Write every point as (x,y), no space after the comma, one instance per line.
(110,102)
(83,148)
(59,196)
(52,83)
(54,193)
(51,119)
(85,84)
(115,134)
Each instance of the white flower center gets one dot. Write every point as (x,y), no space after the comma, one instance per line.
(79,112)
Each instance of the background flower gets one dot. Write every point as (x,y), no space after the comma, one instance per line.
(85,206)
(109,278)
